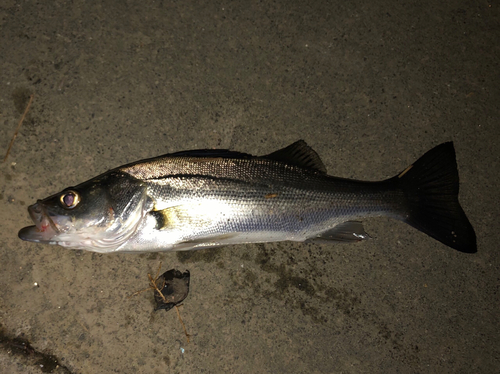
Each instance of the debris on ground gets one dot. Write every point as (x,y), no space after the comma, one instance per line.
(170,289)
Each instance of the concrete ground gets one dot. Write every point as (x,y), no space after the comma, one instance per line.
(370,85)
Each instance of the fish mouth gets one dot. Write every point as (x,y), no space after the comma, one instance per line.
(44,230)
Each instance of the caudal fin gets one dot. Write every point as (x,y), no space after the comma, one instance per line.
(431,189)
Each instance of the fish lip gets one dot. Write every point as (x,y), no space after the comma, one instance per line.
(40,217)
(30,234)
(44,231)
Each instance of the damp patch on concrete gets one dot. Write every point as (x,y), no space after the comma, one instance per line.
(29,355)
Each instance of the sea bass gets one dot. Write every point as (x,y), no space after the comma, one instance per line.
(209,198)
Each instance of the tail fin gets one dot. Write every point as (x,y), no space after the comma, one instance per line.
(431,189)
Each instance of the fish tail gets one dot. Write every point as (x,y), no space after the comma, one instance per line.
(431,186)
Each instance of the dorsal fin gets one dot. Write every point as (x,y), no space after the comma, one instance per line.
(298,154)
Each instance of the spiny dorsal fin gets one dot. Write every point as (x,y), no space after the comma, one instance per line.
(298,154)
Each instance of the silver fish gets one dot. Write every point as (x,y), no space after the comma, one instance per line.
(209,198)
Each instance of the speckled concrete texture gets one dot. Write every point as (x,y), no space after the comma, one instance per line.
(371,85)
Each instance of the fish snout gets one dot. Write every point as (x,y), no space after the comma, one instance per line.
(41,219)
(36,214)
(44,230)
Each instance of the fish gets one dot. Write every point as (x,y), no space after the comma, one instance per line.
(209,198)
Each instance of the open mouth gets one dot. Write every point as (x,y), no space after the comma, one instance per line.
(44,229)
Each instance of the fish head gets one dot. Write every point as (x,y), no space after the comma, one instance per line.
(98,215)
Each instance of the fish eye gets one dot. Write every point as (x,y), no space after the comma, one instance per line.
(70,199)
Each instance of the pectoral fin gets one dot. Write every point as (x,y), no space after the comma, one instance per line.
(185,215)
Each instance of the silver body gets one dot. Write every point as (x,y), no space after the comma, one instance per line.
(218,201)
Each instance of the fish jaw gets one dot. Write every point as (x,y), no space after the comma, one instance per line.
(50,229)
(44,230)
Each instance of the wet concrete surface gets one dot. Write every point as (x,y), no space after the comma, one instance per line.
(370,86)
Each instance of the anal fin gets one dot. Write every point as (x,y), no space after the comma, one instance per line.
(349,231)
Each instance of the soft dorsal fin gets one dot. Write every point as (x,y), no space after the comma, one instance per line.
(298,154)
